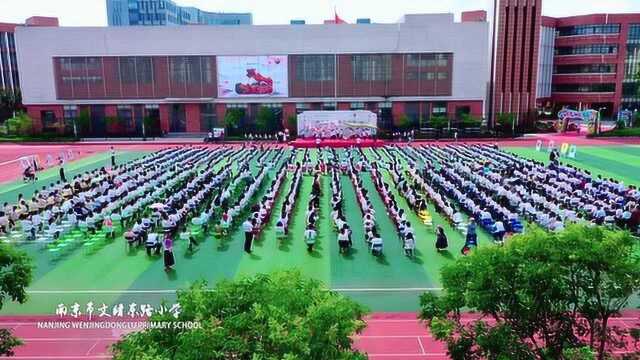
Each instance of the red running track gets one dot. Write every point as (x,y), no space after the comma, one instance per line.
(388,336)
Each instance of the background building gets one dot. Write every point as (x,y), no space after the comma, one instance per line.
(187,78)
(9,78)
(516,39)
(166,12)
(595,58)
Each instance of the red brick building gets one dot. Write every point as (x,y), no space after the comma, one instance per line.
(516,37)
(595,58)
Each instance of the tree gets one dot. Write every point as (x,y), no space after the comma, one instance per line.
(545,295)
(506,122)
(82,124)
(10,103)
(113,123)
(16,272)
(404,122)
(232,119)
(469,121)
(21,124)
(265,120)
(277,316)
(439,122)
(292,125)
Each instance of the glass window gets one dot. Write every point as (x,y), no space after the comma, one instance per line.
(585,69)
(144,70)
(371,67)
(177,70)
(588,30)
(315,67)
(584,88)
(128,70)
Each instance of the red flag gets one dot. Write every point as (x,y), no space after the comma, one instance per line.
(338,20)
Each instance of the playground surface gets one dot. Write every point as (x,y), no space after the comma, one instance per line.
(390,287)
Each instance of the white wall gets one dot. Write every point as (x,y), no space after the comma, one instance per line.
(422,33)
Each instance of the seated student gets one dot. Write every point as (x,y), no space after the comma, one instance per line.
(4,223)
(138,232)
(310,237)
(108,226)
(154,242)
(409,245)
(376,243)
(471,240)
(457,217)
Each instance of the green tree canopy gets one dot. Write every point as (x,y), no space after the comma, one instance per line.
(541,296)
(277,316)
(266,120)
(16,272)
(439,121)
(232,120)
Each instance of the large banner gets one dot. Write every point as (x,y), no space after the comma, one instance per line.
(337,124)
(261,76)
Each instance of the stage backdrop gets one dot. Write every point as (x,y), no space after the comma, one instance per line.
(337,124)
(255,76)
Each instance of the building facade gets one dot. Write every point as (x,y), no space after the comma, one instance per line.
(186,79)
(9,79)
(515,60)
(167,12)
(595,59)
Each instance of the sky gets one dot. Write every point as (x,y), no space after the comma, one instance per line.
(93,12)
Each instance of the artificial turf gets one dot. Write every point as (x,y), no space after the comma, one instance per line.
(390,283)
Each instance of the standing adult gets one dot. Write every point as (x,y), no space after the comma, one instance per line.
(247,227)
(442,243)
(63,178)
(113,157)
(169,259)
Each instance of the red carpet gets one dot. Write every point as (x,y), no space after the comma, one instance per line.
(336,143)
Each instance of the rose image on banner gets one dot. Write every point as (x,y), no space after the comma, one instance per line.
(252,76)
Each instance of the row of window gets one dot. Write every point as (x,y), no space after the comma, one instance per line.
(599,29)
(585,69)
(584,88)
(590,49)
(375,67)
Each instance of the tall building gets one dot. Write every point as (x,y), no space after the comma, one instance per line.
(167,12)
(186,78)
(591,62)
(9,77)
(514,73)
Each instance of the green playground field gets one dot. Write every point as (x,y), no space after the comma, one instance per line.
(114,275)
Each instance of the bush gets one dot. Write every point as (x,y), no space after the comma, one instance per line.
(21,124)
(469,121)
(505,121)
(265,120)
(439,122)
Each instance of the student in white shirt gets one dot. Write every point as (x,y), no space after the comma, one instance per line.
(310,237)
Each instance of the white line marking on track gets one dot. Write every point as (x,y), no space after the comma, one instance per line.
(421,347)
(91,349)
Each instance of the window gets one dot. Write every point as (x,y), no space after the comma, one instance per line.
(634,32)
(371,67)
(144,70)
(439,108)
(236,106)
(315,67)
(177,70)
(442,76)
(591,49)
(384,105)
(584,88)
(357,106)
(588,30)
(128,70)
(303,106)
(585,69)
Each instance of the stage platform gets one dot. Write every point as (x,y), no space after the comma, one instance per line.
(336,143)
